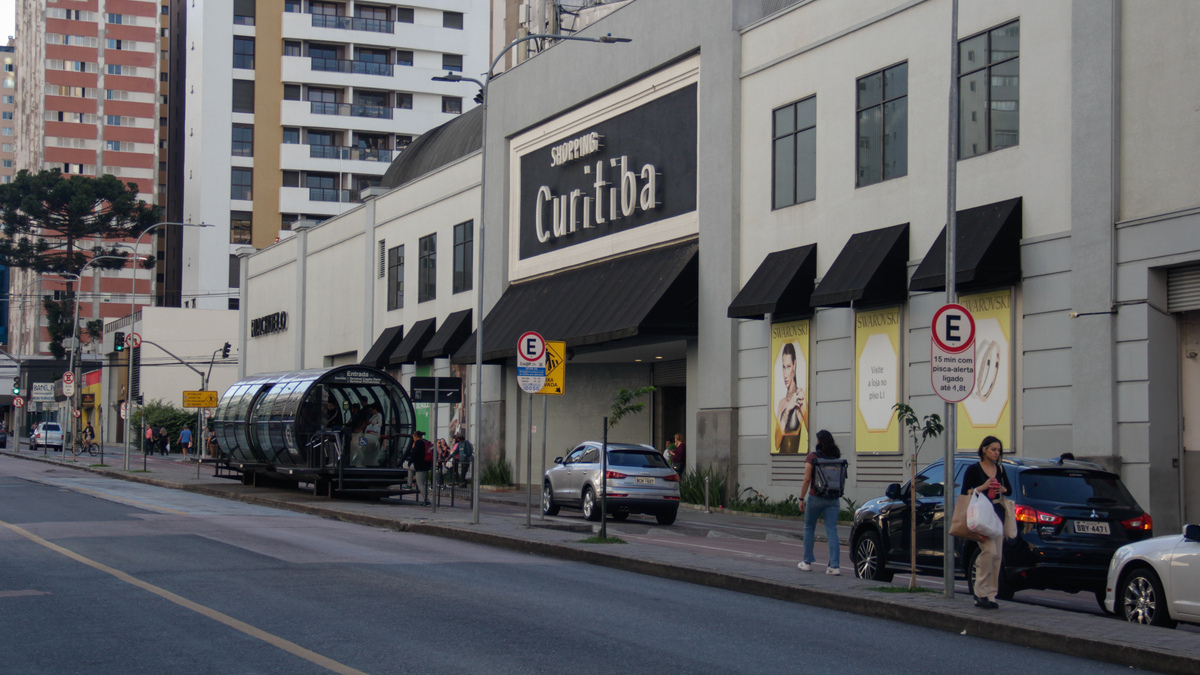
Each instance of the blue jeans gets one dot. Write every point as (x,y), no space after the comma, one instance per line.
(816,507)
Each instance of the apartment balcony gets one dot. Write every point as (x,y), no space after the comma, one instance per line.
(340,152)
(353,23)
(324,65)
(351,110)
(331,195)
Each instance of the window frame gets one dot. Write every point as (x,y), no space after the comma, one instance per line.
(462,278)
(238,189)
(795,133)
(427,268)
(242,147)
(395,278)
(882,106)
(987,68)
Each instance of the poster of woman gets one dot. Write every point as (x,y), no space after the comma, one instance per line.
(789,387)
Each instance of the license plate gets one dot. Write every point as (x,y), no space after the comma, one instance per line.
(644,480)
(1090,527)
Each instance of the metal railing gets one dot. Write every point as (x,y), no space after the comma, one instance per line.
(340,152)
(347,66)
(353,23)
(329,195)
(351,110)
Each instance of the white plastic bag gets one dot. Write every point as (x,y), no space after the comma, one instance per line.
(982,518)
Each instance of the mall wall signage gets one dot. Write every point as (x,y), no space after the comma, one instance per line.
(630,170)
(271,323)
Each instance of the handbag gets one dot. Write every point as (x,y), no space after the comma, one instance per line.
(1010,518)
(982,518)
(958,524)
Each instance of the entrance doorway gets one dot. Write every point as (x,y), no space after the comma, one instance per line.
(1189,377)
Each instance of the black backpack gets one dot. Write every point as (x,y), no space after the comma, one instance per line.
(829,476)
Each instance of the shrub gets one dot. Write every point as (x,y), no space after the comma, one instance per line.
(691,487)
(159,414)
(496,472)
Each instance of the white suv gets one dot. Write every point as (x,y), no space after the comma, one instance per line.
(49,434)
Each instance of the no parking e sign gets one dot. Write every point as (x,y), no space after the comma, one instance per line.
(952,353)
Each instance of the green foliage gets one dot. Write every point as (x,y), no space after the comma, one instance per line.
(602,540)
(158,414)
(847,513)
(623,404)
(496,472)
(752,501)
(920,432)
(691,487)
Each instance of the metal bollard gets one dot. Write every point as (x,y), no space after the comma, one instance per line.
(706,481)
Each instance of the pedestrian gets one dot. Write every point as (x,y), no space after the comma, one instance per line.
(679,455)
(816,506)
(463,454)
(421,458)
(443,459)
(185,441)
(210,442)
(164,440)
(987,475)
(151,441)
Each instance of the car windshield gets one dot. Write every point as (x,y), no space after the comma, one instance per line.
(643,459)
(1076,487)
(53,427)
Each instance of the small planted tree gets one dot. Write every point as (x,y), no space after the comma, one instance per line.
(625,403)
(919,432)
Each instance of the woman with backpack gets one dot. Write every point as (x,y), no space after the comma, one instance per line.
(818,505)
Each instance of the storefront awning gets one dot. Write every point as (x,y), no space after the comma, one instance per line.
(987,250)
(650,294)
(454,332)
(384,345)
(782,285)
(872,268)
(410,348)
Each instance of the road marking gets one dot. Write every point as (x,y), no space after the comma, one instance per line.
(115,498)
(241,626)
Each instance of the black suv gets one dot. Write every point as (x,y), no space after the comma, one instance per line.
(1071,517)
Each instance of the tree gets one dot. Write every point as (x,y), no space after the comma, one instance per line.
(623,404)
(931,428)
(46,216)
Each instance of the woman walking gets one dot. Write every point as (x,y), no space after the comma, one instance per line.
(820,507)
(987,476)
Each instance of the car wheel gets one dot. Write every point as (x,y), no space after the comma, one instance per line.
(666,517)
(549,508)
(868,558)
(1142,599)
(591,510)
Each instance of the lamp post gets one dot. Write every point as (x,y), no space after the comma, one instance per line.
(483,102)
(78,276)
(132,325)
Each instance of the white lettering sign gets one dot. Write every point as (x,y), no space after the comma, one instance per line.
(574,149)
(571,212)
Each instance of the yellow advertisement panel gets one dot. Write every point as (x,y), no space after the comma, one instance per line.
(988,410)
(789,388)
(877,380)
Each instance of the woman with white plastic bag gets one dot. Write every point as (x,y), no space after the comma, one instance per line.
(986,480)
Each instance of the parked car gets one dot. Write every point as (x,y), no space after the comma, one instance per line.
(1071,517)
(639,481)
(49,434)
(1157,581)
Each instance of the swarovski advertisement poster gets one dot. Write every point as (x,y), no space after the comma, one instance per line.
(789,388)
(630,170)
(987,411)
(877,380)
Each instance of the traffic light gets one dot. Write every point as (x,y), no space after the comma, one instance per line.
(16,386)
(138,399)
(118,342)
(225,351)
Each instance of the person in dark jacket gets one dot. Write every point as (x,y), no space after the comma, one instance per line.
(988,477)
(421,459)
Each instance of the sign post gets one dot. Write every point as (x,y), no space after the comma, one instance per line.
(556,370)
(531,375)
(435,390)
(952,357)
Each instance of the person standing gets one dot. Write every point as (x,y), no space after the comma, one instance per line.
(679,455)
(463,453)
(164,440)
(987,476)
(151,441)
(185,441)
(422,462)
(820,507)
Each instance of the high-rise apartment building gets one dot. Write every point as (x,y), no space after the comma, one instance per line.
(8,109)
(292,108)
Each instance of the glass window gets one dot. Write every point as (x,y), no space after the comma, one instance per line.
(243,52)
(292,48)
(463,256)
(325,8)
(291,92)
(291,135)
(243,96)
(404,57)
(241,181)
(243,12)
(931,481)
(243,140)
(1092,488)
(427,268)
(452,62)
(395,278)
(323,95)
(794,133)
(452,20)
(989,91)
(452,105)
(240,226)
(882,125)
(291,179)
(404,14)
(404,100)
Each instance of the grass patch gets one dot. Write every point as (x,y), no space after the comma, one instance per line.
(902,589)
(140,471)
(602,540)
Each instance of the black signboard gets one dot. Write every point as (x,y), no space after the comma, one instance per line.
(624,172)
(448,389)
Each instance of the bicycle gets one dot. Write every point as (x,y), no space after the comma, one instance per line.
(89,447)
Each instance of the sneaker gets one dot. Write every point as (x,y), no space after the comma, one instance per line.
(833,571)
(804,567)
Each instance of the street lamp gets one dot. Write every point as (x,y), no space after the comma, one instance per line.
(483,102)
(132,325)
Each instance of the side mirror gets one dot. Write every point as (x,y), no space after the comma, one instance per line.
(558,460)
(1191,532)
(893,492)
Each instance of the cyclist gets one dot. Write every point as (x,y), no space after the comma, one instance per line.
(89,434)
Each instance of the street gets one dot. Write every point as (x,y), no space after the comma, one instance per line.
(107,576)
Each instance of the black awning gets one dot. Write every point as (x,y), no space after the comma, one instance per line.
(454,331)
(782,285)
(384,344)
(649,294)
(987,250)
(410,348)
(872,268)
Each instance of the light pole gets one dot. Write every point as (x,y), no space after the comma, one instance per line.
(78,277)
(483,103)
(132,325)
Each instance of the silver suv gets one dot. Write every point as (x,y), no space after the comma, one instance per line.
(49,434)
(639,481)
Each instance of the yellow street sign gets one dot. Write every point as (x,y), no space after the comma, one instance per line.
(556,368)
(199,399)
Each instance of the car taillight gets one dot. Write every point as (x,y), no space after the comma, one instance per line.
(613,474)
(673,478)
(1142,522)
(1028,514)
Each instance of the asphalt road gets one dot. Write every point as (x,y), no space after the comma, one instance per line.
(103,576)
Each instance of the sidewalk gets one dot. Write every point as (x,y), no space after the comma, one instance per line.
(1087,636)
